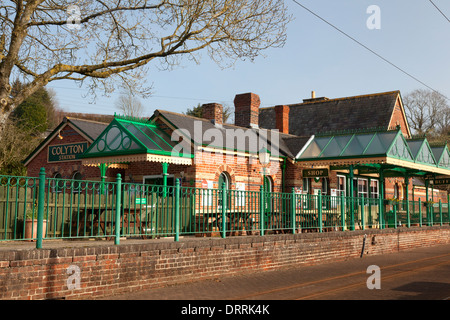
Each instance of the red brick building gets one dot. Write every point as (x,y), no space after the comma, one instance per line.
(233,153)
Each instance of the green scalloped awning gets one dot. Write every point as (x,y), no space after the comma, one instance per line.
(377,147)
(128,139)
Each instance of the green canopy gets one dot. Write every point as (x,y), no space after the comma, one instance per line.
(387,149)
(129,139)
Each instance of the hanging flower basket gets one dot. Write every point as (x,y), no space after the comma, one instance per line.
(392,201)
(428,204)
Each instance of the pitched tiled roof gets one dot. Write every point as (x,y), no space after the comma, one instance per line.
(91,129)
(326,115)
(186,122)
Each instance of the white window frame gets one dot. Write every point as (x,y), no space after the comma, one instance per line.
(344,191)
(377,187)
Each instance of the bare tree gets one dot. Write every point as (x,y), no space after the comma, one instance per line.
(107,44)
(129,105)
(427,111)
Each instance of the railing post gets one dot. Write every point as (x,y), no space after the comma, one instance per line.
(118,208)
(177,210)
(420,212)
(343,211)
(40,213)
(319,201)
(293,205)
(224,210)
(261,209)
(362,212)
(395,216)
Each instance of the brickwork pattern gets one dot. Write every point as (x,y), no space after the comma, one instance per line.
(107,269)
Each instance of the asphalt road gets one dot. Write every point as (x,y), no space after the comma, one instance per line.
(417,274)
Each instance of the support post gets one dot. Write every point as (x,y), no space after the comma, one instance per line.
(381,213)
(319,201)
(343,211)
(177,210)
(420,212)
(103,167)
(224,209)
(362,213)
(440,211)
(427,184)
(293,204)
(261,209)
(165,166)
(40,213)
(352,204)
(118,208)
(408,217)
(395,216)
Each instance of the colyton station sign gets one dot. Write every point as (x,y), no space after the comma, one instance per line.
(66,152)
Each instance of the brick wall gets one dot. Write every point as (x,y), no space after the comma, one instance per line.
(107,269)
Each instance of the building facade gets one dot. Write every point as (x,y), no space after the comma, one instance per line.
(265,146)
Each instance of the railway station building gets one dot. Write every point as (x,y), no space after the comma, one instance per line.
(360,146)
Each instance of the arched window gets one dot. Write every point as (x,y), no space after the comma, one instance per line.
(396,191)
(76,176)
(224,178)
(57,184)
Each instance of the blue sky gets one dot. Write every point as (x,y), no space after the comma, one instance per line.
(413,35)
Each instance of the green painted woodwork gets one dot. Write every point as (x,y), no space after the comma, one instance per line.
(125,136)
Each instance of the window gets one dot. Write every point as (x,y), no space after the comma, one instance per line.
(223,178)
(57,185)
(374,190)
(325,200)
(158,182)
(363,188)
(76,186)
(324,186)
(360,187)
(306,185)
(341,185)
(396,191)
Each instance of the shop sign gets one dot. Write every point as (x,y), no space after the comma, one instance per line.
(441,181)
(314,173)
(66,152)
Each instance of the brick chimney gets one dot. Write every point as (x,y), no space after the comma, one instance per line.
(282,118)
(214,112)
(246,110)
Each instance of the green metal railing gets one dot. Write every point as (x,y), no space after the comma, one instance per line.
(49,208)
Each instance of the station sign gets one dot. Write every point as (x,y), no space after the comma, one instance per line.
(66,152)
